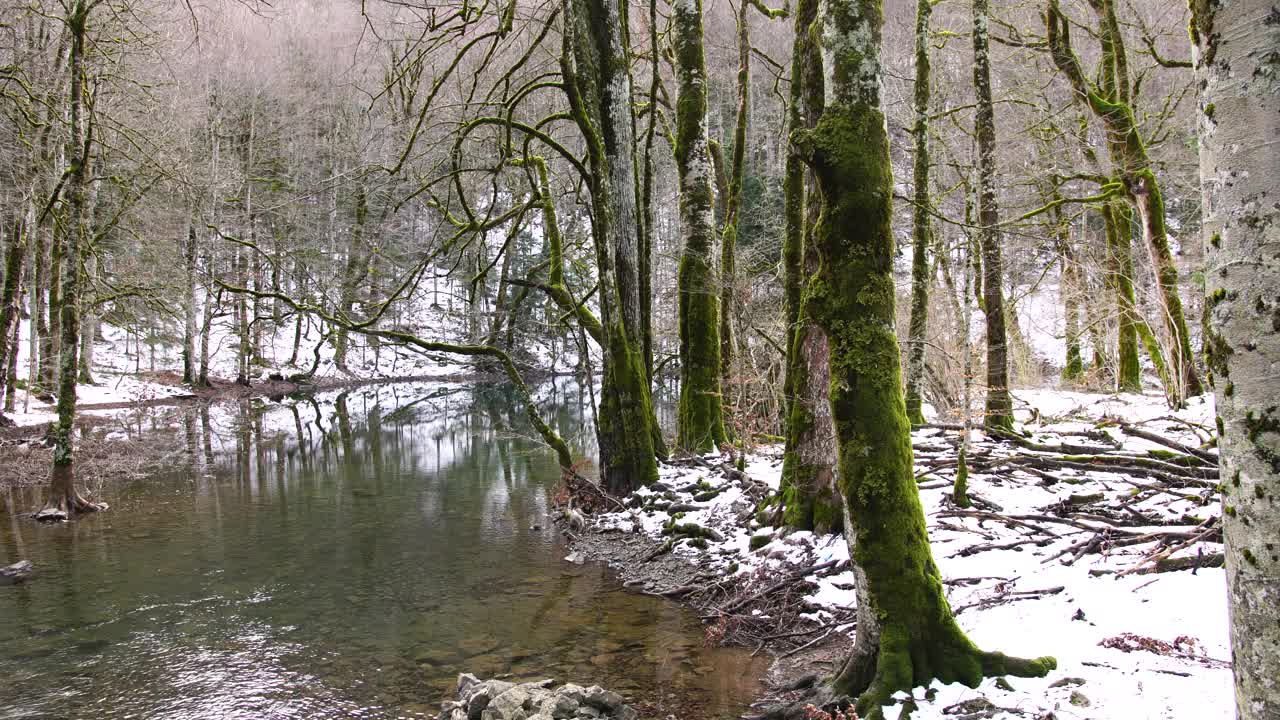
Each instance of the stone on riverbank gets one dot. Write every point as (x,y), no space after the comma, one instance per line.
(498,700)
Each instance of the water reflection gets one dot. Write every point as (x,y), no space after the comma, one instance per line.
(335,556)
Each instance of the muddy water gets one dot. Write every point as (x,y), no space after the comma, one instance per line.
(337,557)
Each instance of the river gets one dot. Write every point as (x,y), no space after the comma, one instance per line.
(337,556)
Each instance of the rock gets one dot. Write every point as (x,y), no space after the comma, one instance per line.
(1079,700)
(481,695)
(576,557)
(466,681)
(576,693)
(586,711)
(602,699)
(1067,682)
(561,706)
(508,703)
(18,572)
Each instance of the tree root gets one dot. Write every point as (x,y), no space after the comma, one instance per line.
(66,507)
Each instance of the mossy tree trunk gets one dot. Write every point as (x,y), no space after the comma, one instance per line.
(852,298)
(1115,218)
(64,499)
(1069,287)
(733,199)
(701,424)
(598,85)
(1110,100)
(1239,72)
(808,489)
(10,304)
(999,407)
(920,234)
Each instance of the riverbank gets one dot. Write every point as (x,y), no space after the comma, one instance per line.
(1093,536)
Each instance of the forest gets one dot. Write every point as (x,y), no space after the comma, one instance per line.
(547,359)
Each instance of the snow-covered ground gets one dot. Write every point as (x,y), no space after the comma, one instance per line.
(1100,674)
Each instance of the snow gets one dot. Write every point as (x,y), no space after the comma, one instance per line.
(1069,624)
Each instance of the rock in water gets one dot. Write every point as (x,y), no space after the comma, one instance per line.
(498,700)
(17,573)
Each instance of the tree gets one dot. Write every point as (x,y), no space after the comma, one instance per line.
(920,234)
(999,407)
(597,80)
(64,499)
(852,299)
(701,425)
(1110,98)
(808,488)
(1235,45)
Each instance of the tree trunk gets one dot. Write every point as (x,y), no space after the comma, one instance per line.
(10,303)
(1235,43)
(808,489)
(64,499)
(351,277)
(701,425)
(999,407)
(733,201)
(189,305)
(598,84)
(852,298)
(1120,275)
(1069,287)
(919,325)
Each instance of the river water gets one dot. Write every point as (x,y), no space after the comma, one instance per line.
(342,556)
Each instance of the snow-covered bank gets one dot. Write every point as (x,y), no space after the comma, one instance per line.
(1048,562)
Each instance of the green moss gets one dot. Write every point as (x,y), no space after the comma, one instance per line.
(1247,554)
(960,491)
(758,541)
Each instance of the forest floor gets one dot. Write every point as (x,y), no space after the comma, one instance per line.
(1093,536)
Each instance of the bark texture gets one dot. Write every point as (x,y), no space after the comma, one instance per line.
(1238,66)
(808,491)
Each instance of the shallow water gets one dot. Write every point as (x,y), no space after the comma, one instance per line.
(339,557)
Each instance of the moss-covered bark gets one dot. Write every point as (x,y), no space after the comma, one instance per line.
(808,491)
(852,298)
(10,289)
(701,424)
(999,407)
(1115,218)
(597,80)
(920,234)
